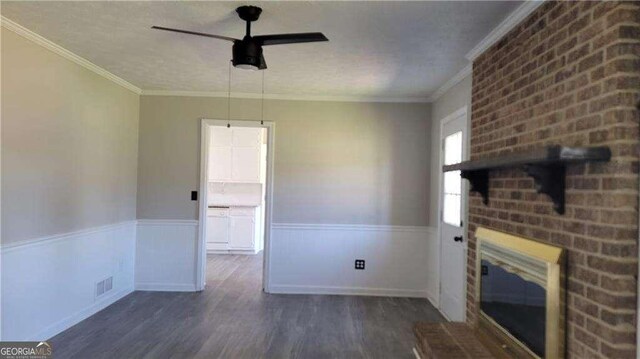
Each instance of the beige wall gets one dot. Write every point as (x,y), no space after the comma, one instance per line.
(69,144)
(335,162)
(457,97)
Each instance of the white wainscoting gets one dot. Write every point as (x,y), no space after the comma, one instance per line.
(319,259)
(48,284)
(166,255)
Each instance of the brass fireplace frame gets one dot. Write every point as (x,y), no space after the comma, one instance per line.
(553,258)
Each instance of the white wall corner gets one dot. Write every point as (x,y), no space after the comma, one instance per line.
(166,255)
(51,46)
(459,76)
(510,22)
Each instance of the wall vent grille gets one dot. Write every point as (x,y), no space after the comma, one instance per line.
(104,286)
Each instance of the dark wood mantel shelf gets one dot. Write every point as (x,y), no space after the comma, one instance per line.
(546,165)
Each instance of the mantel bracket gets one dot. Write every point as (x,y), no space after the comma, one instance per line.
(550,180)
(546,165)
(479,181)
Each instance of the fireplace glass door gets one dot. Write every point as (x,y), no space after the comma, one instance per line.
(515,303)
(520,294)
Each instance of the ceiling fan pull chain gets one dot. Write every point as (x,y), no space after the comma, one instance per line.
(229,98)
(262,104)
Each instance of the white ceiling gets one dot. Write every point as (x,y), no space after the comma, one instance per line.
(382,49)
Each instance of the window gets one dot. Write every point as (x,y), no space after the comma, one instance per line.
(452,196)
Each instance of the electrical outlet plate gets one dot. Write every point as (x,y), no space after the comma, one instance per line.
(359,264)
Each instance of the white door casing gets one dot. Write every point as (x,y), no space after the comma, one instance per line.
(205,149)
(453,242)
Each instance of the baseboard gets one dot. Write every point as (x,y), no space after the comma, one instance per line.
(444,315)
(249,252)
(76,318)
(434,301)
(166,287)
(374,292)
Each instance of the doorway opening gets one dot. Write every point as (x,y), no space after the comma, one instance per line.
(236,186)
(452,209)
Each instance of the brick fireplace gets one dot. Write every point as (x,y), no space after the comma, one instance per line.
(568,75)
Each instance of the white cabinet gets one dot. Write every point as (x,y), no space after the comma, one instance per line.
(241,232)
(235,154)
(218,226)
(234,229)
(245,164)
(220,163)
(217,229)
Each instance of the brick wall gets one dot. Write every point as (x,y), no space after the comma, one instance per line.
(569,74)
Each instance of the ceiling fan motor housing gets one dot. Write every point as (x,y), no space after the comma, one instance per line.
(249,13)
(247,53)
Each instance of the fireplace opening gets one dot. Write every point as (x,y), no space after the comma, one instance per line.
(520,294)
(516,304)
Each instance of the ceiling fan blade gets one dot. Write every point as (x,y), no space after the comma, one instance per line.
(280,39)
(195,33)
(263,64)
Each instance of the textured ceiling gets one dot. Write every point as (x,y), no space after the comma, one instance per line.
(385,49)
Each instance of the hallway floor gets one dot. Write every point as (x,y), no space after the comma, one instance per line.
(233,318)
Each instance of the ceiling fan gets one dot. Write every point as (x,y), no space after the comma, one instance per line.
(247,53)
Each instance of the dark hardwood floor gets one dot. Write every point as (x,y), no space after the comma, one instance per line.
(233,318)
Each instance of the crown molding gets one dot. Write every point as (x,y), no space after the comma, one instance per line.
(495,35)
(510,22)
(286,97)
(466,71)
(49,45)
